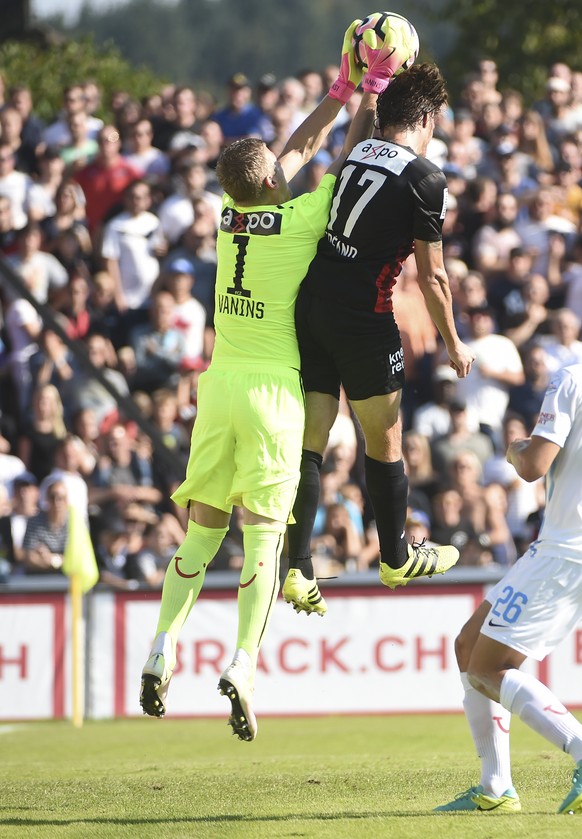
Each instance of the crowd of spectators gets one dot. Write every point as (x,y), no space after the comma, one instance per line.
(110,226)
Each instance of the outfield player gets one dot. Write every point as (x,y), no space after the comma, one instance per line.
(389,202)
(534,607)
(246,443)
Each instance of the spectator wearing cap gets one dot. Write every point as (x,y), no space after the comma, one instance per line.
(241,117)
(13,525)
(418,528)
(267,94)
(131,243)
(496,368)
(189,315)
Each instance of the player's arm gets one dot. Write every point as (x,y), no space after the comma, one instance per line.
(360,128)
(308,138)
(434,284)
(532,457)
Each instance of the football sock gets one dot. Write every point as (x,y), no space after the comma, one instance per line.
(536,705)
(259,583)
(185,576)
(489,725)
(304,512)
(387,487)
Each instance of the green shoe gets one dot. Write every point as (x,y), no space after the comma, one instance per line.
(572,803)
(303,594)
(475,800)
(423,561)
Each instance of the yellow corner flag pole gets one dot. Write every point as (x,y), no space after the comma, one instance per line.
(78,668)
(80,565)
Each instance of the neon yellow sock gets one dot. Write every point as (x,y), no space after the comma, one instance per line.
(185,576)
(259,583)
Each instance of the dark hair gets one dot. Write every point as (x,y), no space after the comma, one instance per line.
(417,91)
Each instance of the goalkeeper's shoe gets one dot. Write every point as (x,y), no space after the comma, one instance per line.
(474,799)
(423,561)
(572,803)
(235,683)
(155,681)
(303,594)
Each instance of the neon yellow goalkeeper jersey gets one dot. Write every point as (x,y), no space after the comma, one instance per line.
(263,255)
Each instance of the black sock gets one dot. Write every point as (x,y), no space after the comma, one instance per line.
(304,512)
(387,487)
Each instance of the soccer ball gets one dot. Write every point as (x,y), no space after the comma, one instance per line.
(394,32)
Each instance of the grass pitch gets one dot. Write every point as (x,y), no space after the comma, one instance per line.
(330,777)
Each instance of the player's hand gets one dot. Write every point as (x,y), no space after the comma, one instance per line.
(350,74)
(384,60)
(461,360)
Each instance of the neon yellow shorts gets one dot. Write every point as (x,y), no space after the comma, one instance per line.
(246,442)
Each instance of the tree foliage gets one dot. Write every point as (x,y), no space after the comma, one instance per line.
(202,42)
(523,38)
(48,67)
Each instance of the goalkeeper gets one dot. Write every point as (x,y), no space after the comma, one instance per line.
(246,442)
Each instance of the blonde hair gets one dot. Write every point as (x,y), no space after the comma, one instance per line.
(59,428)
(242,168)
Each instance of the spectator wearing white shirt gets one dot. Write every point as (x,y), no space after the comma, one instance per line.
(177,211)
(496,368)
(130,243)
(563,347)
(189,316)
(14,185)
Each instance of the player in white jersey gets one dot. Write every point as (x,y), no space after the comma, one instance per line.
(532,609)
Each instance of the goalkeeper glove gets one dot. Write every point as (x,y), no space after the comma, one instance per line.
(350,74)
(383,61)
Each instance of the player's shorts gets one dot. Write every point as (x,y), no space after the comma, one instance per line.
(339,345)
(246,442)
(536,604)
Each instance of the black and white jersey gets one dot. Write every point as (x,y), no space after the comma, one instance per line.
(385,197)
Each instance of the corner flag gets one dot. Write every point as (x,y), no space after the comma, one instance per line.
(79,557)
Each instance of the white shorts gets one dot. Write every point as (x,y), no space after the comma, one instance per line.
(536,604)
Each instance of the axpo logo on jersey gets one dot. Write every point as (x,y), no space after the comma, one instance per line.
(261,224)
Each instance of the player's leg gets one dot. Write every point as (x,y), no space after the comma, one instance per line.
(257,592)
(300,587)
(489,725)
(209,476)
(387,487)
(537,605)
(183,581)
(269,430)
(322,386)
